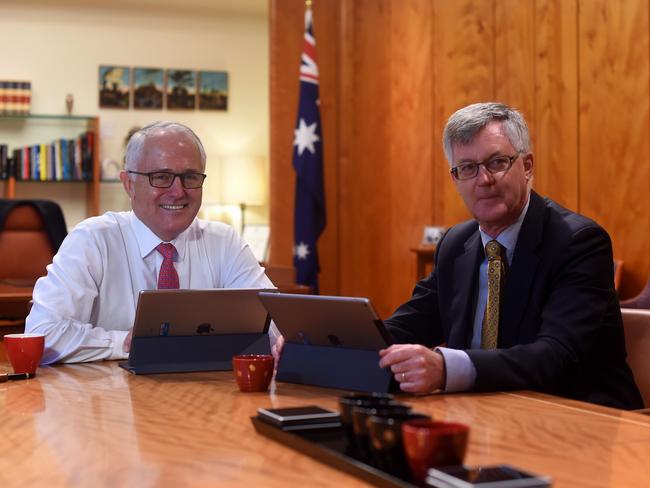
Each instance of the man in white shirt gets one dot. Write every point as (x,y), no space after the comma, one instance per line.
(85,305)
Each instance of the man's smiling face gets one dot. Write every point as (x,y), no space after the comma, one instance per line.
(166,211)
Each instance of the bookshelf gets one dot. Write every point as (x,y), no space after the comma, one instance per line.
(23,130)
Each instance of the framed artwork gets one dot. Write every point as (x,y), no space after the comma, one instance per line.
(181,89)
(213,90)
(148,86)
(432,235)
(114,87)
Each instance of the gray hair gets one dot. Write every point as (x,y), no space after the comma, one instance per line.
(463,126)
(136,141)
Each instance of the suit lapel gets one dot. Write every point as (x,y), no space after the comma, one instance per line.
(464,292)
(522,271)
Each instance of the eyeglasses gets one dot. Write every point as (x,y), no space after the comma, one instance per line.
(165,179)
(496,164)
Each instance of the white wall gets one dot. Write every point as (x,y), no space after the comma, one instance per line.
(60,47)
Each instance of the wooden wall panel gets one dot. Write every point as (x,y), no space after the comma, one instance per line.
(364,177)
(286,31)
(391,74)
(614,174)
(286,36)
(514,51)
(326,31)
(463,73)
(556,101)
(411,127)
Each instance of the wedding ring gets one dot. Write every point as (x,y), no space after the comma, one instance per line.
(403,376)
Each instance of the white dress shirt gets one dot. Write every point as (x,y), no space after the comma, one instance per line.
(461,373)
(85,305)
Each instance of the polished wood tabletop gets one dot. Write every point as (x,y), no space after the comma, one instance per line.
(95,425)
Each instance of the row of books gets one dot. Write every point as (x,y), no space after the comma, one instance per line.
(62,160)
(15,97)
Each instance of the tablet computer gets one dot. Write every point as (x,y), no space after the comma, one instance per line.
(199,312)
(300,418)
(319,320)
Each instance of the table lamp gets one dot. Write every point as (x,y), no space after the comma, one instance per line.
(243,182)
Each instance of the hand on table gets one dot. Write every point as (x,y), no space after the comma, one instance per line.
(276,350)
(127,341)
(417,368)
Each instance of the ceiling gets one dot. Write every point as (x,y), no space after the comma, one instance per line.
(239,8)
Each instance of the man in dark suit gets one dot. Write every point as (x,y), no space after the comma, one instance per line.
(548,319)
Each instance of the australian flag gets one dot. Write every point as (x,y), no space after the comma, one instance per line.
(309,213)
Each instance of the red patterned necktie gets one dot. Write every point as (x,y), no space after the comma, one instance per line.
(168,277)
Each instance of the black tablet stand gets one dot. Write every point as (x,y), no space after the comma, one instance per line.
(333,367)
(178,354)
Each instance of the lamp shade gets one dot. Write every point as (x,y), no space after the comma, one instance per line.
(243,180)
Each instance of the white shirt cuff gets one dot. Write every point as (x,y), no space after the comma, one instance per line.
(274,334)
(461,373)
(117,344)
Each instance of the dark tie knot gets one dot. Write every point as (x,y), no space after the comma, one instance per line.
(166,249)
(493,250)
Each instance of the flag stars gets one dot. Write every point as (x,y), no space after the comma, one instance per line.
(305,137)
(301,250)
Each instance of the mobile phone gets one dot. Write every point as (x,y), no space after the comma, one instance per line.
(299,418)
(498,476)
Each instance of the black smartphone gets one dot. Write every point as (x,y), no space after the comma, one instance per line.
(501,475)
(299,418)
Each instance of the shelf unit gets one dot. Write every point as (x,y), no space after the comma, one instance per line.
(92,186)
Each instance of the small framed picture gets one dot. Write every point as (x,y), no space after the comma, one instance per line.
(148,86)
(213,90)
(114,87)
(432,235)
(181,89)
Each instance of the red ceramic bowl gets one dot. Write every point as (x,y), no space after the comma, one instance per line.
(253,372)
(25,351)
(430,443)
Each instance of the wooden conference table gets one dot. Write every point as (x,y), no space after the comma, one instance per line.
(96,425)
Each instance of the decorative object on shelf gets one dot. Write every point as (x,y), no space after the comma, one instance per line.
(211,210)
(181,89)
(148,86)
(243,181)
(110,170)
(432,235)
(213,90)
(69,103)
(15,97)
(114,87)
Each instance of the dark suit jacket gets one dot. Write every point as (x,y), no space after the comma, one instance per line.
(560,331)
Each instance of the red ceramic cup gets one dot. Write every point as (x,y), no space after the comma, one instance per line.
(430,443)
(24,351)
(253,372)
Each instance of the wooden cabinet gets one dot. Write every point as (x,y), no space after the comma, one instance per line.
(26,130)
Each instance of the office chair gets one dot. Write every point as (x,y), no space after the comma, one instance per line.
(636,324)
(642,300)
(31,232)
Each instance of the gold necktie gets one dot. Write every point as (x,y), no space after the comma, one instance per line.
(496,283)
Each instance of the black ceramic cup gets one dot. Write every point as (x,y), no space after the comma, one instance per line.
(385,441)
(360,417)
(347,402)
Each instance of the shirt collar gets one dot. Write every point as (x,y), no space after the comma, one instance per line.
(508,238)
(148,241)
